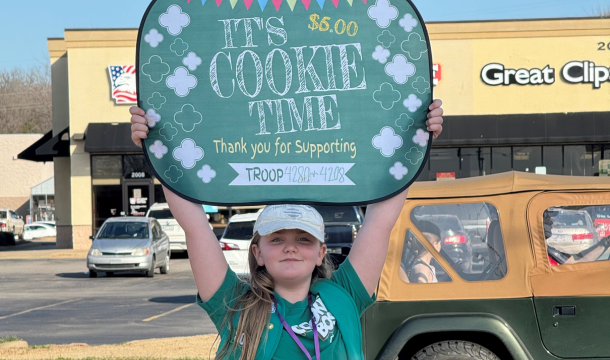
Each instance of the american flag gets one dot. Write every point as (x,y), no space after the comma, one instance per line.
(123,83)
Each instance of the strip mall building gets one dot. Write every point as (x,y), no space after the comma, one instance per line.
(523,95)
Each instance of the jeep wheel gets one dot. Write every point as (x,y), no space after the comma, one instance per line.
(454,350)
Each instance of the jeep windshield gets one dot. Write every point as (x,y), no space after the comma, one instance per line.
(124,230)
(334,214)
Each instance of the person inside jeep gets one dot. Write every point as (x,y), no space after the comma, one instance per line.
(421,270)
(557,257)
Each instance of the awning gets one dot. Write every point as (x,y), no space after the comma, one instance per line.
(58,146)
(109,138)
(47,147)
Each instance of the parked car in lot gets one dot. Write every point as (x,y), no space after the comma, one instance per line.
(572,230)
(129,244)
(38,230)
(44,222)
(520,306)
(11,222)
(235,241)
(170,226)
(341,224)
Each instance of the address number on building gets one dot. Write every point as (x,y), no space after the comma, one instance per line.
(138,175)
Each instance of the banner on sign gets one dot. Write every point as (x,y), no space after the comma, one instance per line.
(302,101)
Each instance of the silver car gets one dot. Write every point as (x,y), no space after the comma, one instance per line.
(129,244)
(572,230)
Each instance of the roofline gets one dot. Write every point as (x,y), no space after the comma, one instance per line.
(103,29)
(517,20)
(505,183)
(42,182)
(427,22)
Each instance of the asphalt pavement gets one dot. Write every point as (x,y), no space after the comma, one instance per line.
(53,301)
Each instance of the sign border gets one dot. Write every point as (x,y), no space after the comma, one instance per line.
(274,202)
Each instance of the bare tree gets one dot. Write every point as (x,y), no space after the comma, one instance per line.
(602,11)
(25,101)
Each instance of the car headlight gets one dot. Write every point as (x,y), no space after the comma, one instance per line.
(95,252)
(140,252)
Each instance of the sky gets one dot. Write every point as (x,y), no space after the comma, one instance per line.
(24,38)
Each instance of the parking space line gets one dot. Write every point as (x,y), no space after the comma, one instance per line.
(169,312)
(38,308)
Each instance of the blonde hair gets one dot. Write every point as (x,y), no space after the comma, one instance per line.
(255,304)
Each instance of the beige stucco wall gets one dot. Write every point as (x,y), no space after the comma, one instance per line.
(19,175)
(61,120)
(463,50)
(89,54)
(82,85)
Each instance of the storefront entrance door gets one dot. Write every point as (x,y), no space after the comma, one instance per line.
(137,197)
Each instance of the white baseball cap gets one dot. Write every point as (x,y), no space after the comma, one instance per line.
(282,217)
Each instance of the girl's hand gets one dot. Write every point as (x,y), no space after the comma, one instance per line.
(139,127)
(435,118)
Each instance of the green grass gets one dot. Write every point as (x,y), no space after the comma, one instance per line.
(9,339)
(40,346)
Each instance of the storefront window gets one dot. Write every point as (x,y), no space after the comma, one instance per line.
(106,167)
(135,167)
(475,161)
(552,159)
(425,172)
(107,202)
(596,154)
(444,161)
(501,160)
(575,160)
(159,194)
(527,158)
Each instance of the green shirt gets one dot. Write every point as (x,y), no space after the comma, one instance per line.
(297,315)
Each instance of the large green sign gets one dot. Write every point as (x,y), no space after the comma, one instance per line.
(256,101)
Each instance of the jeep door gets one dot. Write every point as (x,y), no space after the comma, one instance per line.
(571,289)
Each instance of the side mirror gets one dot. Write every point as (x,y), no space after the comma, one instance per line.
(91,237)
(21,217)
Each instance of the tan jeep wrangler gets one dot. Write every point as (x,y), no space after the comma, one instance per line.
(506,266)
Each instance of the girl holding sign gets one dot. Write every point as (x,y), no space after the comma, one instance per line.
(292,285)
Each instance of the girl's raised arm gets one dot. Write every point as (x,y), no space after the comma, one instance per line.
(207,261)
(368,254)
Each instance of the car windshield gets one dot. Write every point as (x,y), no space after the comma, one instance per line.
(569,219)
(161,214)
(3,215)
(337,213)
(239,230)
(124,230)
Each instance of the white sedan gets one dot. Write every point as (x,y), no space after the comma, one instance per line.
(38,230)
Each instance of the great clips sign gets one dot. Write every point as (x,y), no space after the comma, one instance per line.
(574,72)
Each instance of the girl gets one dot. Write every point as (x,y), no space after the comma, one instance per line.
(291,286)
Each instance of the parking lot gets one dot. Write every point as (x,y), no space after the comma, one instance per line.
(53,301)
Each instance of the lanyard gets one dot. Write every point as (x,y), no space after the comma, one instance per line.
(293,335)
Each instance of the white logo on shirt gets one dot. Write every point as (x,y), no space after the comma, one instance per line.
(325,321)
